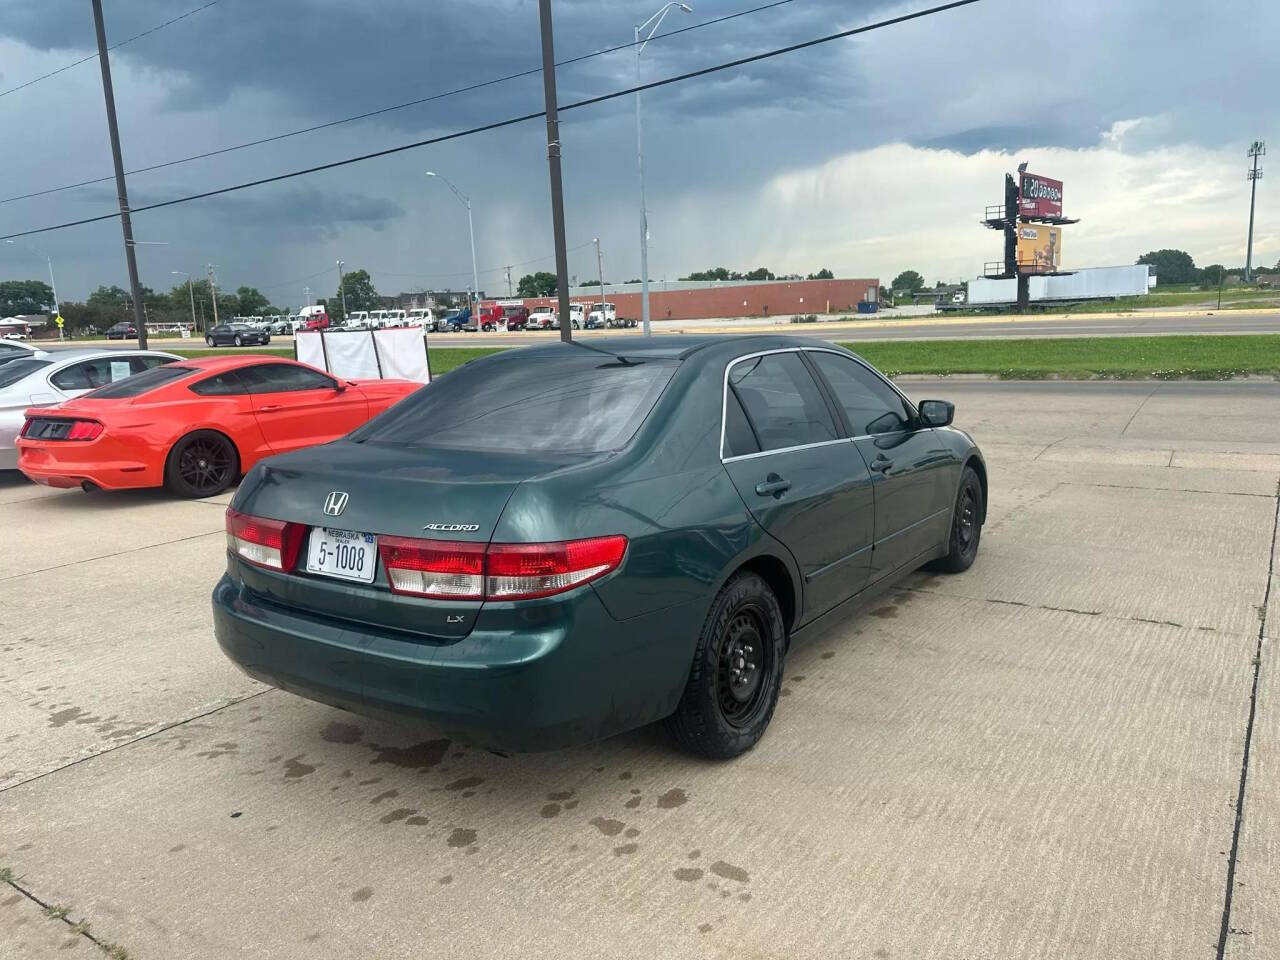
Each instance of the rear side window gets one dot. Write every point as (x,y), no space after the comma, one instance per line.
(739,438)
(141,383)
(782,401)
(223,385)
(16,370)
(577,401)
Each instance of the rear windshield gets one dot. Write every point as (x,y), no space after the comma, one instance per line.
(15,370)
(140,383)
(581,401)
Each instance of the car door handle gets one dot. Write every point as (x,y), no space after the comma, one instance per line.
(772,486)
(881,464)
(271,406)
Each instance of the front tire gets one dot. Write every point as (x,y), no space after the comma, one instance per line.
(239,340)
(209,341)
(966,525)
(201,464)
(736,676)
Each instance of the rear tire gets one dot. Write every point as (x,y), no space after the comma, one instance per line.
(239,341)
(966,526)
(736,676)
(201,464)
(209,341)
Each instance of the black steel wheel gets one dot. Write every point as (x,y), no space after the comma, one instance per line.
(966,525)
(736,675)
(201,464)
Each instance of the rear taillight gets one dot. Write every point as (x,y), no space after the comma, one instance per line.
(273,544)
(522,571)
(49,428)
(85,430)
(434,568)
(447,570)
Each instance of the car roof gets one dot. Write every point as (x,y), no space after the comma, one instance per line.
(93,353)
(681,346)
(233,361)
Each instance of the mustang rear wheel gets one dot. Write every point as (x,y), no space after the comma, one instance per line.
(201,464)
(966,525)
(736,675)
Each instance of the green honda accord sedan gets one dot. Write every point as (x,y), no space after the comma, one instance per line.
(559,543)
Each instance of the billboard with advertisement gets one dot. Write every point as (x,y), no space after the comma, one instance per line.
(1040,196)
(1039,248)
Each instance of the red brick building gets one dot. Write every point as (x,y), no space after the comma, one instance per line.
(767,299)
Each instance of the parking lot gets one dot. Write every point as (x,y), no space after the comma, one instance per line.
(1041,757)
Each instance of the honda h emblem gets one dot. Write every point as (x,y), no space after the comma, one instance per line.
(335,503)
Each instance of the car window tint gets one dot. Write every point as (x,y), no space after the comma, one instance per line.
(91,374)
(283,378)
(142,364)
(871,405)
(578,401)
(141,383)
(782,401)
(739,438)
(226,384)
(17,370)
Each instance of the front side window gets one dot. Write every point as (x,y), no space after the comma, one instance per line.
(870,404)
(226,384)
(782,401)
(283,378)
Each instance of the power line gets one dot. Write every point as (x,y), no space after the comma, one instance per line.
(511,121)
(94,56)
(382,110)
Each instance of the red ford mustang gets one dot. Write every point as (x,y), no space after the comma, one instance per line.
(196,425)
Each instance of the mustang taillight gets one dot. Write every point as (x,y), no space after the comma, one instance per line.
(273,544)
(46,428)
(449,570)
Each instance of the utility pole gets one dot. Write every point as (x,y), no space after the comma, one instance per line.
(553,164)
(213,291)
(126,226)
(509,282)
(1256,150)
(342,288)
(600,274)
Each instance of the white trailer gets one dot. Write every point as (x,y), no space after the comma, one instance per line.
(1092,283)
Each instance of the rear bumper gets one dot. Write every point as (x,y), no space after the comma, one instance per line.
(70,464)
(528,677)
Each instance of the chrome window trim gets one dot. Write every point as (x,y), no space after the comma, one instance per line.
(724,401)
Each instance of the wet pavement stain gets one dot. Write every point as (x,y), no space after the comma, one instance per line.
(446,879)
(631,832)
(337,732)
(368,782)
(560,795)
(363,894)
(610,828)
(295,769)
(419,756)
(885,613)
(786,692)
(729,871)
(550,810)
(417,821)
(466,783)
(694,854)
(633,803)
(177,847)
(797,678)
(385,795)
(687,874)
(63,717)
(828,655)
(461,838)
(744,897)
(626,849)
(399,813)
(704,928)
(675,797)
(570,804)
(625,775)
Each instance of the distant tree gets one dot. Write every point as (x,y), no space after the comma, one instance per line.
(1171,266)
(823,274)
(908,281)
(760,273)
(540,284)
(636,280)
(359,290)
(252,303)
(25,296)
(715,273)
(109,298)
(1211,275)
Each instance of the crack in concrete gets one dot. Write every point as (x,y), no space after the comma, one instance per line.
(1134,416)
(1134,486)
(79,927)
(1226,929)
(107,556)
(147,736)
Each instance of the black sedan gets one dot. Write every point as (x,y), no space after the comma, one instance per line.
(555,544)
(237,335)
(122,331)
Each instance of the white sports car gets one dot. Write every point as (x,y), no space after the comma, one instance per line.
(39,379)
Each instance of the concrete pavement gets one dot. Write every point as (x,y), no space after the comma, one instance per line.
(1040,758)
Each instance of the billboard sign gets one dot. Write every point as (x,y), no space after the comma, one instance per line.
(1039,248)
(1040,196)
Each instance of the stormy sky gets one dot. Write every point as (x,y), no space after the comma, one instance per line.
(867,155)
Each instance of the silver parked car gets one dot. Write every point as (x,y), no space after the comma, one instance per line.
(41,379)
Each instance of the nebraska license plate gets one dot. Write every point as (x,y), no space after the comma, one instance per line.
(344,554)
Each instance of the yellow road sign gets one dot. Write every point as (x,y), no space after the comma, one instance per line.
(58,320)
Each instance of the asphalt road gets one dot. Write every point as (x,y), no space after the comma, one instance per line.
(1043,757)
(882,327)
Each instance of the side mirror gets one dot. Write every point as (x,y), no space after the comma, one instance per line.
(937,413)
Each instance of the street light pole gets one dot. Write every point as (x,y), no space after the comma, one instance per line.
(113,129)
(551,109)
(656,20)
(342,290)
(471,227)
(213,292)
(53,285)
(1256,150)
(600,272)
